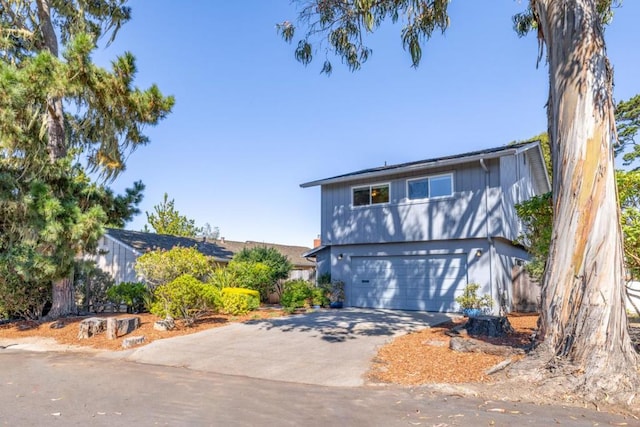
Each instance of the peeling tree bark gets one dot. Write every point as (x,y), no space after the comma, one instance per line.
(583,320)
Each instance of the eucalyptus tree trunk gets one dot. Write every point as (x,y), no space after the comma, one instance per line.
(583,320)
(63,299)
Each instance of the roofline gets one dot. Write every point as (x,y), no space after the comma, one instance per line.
(313,252)
(120,242)
(424,165)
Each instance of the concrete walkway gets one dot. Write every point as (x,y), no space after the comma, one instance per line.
(327,347)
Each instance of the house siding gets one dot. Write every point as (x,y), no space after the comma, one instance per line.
(395,251)
(516,178)
(115,259)
(507,257)
(463,215)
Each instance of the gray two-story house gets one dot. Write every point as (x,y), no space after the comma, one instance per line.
(411,236)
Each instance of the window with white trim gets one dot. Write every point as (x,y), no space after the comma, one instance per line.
(430,187)
(370,195)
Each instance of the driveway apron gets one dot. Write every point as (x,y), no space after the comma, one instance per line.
(326,347)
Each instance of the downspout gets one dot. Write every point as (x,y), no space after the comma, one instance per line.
(494,292)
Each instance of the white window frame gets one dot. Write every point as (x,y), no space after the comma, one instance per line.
(370,187)
(428,178)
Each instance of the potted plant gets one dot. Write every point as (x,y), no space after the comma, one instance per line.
(318,298)
(335,293)
(471,304)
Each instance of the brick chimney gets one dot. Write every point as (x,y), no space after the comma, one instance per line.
(317,242)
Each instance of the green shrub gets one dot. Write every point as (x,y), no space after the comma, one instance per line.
(253,275)
(237,301)
(334,290)
(223,277)
(319,297)
(185,298)
(133,294)
(470,299)
(161,267)
(90,284)
(296,293)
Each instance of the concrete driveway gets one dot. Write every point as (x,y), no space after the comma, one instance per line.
(327,347)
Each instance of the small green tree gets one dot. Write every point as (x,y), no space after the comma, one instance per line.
(161,266)
(470,299)
(253,275)
(278,263)
(167,220)
(628,123)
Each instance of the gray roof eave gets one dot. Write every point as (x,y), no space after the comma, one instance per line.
(313,252)
(418,166)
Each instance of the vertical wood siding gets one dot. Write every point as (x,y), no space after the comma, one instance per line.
(463,215)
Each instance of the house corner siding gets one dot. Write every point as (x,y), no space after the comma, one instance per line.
(115,259)
(510,297)
(516,179)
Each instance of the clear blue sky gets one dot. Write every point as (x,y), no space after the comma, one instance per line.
(251,124)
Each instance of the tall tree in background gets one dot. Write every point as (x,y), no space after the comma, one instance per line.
(108,112)
(628,124)
(167,220)
(583,321)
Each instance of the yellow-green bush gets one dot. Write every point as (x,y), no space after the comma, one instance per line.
(185,298)
(236,301)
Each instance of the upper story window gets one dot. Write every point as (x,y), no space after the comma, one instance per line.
(370,195)
(430,187)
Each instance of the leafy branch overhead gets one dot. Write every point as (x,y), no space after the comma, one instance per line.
(345,24)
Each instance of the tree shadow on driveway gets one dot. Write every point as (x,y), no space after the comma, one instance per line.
(351,323)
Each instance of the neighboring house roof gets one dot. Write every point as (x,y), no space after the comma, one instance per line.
(220,250)
(540,171)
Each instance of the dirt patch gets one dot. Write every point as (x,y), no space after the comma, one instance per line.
(425,358)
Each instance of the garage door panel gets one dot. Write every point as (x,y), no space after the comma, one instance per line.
(428,283)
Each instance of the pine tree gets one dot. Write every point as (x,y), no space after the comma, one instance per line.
(46,47)
(167,220)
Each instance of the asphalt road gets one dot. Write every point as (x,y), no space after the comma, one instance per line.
(42,389)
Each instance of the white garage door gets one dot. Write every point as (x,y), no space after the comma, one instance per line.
(429,283)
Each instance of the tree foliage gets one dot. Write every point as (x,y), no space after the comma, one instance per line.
(42,228)
(536,215)
(278,263)
(253,275)
(338,27)
(629,196)
(161,266)
(628,123)
(45,70)
(109,113)
(167,220)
